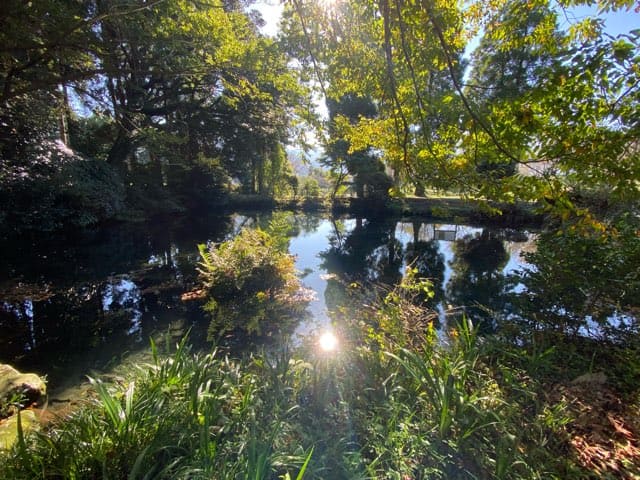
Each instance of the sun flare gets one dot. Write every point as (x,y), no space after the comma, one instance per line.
(328,342)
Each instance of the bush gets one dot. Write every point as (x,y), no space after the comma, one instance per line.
(251,284)
(58,189)
(89,192)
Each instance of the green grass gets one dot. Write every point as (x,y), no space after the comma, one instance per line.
(188,415)
(405,414)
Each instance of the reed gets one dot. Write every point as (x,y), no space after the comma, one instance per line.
(386,406)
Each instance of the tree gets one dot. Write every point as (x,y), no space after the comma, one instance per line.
(45,44)
(571,132)
(389,51)
(557,105)
(364,165)
(505,69)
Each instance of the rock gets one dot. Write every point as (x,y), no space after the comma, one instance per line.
(7,370)
(12,383)
(9,428)
(598,378)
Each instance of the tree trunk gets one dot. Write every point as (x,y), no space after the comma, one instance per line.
(120,149)
(63,123)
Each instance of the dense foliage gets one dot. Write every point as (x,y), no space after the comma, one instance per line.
(391,402)
(150,90)
(185,416)
(539,111)
(250,283)
(585,282)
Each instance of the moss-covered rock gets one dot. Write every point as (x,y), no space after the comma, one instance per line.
(9,428)
(14,384)
(18,390)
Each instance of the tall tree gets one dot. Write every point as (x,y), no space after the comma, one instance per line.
(507,69)
(557,105)
(186,79)
(364,165)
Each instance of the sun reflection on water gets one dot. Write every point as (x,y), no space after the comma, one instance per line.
(328,342)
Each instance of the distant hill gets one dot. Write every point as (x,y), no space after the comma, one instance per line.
(301,161)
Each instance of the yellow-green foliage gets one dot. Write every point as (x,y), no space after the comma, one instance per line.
(251,283)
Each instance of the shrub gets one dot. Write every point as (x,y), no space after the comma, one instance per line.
(58,189)
(251,284)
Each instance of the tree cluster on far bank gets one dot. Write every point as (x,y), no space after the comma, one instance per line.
(158,105)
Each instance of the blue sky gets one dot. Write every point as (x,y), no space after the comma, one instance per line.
(615,22)
(622,21)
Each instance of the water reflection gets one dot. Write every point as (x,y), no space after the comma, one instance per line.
(123,294)
(364,250)
(478,283)
(84,301)
(87,300)
(471,268)
(423,254)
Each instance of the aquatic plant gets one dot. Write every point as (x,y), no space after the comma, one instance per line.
(251,283)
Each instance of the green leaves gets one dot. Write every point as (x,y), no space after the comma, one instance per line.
(543,112)
(251,282)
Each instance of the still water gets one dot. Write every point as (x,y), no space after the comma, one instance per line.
(69,306)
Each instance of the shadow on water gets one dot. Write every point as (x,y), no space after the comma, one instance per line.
(85,301)
(70,305)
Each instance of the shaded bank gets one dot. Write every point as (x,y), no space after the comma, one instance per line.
(22,222)
(437,208)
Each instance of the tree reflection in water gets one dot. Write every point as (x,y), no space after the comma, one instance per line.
(84,300)
(478,284)
(425,256)
(371,254)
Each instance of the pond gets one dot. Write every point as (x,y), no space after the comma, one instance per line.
(69,306)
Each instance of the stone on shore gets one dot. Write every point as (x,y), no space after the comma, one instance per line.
(17,391)
(9,428)
(13,383)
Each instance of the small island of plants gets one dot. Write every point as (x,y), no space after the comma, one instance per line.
(391,399)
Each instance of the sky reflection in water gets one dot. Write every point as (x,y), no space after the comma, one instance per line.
(96,297)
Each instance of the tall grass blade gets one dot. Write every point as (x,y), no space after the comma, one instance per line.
(154,351)
(137,465)
(304,465)
(111,406)
(22,446)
